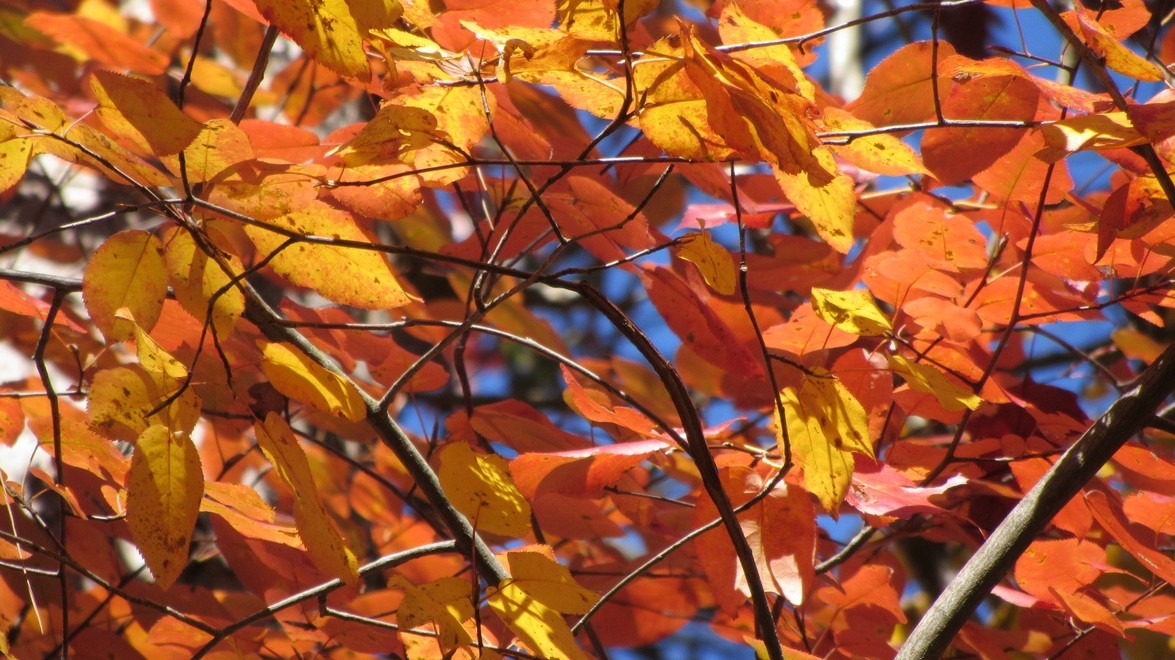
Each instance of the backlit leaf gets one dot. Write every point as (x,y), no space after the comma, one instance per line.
(1109,47)
(926,378)
(127,270)
(533,602)
(164,487)
(580,471)
(326,546)
(199,283)
(549,582)
(852,311)
(481,488)
(332,31)
(139,111)
(301,379)
(899,90)
(443,603)
(1110,130)
(713,261)
(825,425)
(355,276)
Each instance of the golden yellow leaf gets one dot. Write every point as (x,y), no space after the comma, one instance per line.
(160,363)
(1110,130)
(1112,51)
(549,582)
(326,546)
(332,31)
(542,629)
(355,276)
(15,152)
(196,280)
(391,135)
(479,485)
(825,425)
(219,145)
(712,260)
(301,379)
(882,153)
(595,20)
(852,311)
(444,603)
(135,109)
(164,487)
(125,271)
(925,378)
(121,397)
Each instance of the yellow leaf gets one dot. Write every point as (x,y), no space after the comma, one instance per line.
(196,280)
(925,378)
(120,399)
(481,488)
(219,145)
(825,425)
(712,260)
(391,135)
(852,311)
(1110,130)
(354,276)
(139,111)
(326,546)
(15,152)
(444,603)
(301,379)
(549,582)
(595,20)
(158,362)
(164,487)
(882,153)
(1112,51)
(332,31)
(542,629)
(125,271)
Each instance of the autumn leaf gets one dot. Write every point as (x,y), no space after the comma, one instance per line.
(533,602)
(926,378)
(443,603)
(852,311)
(326,546)
(200,285)
(825,424)
(714,263)
(128,270)
(139,111)
(332,31)
(301,379)
(350,275)
(164,487)
(481,488)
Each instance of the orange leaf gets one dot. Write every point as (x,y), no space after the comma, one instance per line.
(126,271)
(164,488)
(1109,515)
(580,471)
(1108,47)
(780,530)
(326,546)
(898,90)
(99,41)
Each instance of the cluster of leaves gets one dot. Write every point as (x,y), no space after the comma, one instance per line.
(358,341)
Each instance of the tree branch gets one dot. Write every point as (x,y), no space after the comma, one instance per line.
(1129,415)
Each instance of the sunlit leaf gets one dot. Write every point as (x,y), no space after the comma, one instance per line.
(128,271)
(164,488)
(141,112)
(200,284)
(332,31)
(481,488)
(825,425)
(852,311)
(326,546)
(532,604)
(301,379)
(926,378)
(356,275)
(713,261)
(443,603)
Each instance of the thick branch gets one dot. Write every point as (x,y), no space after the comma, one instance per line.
(1068,475)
